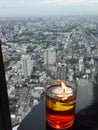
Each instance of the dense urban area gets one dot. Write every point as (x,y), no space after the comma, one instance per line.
(37,51)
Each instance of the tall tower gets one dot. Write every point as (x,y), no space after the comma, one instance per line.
(50,56)
(61,71)
(81,64)
(27,66)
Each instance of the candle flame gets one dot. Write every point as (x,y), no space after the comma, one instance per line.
(64,86)
(62,83)
(64,90)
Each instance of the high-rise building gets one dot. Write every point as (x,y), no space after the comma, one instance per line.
(27,66)
(61,71)
(50,56)
(81,64)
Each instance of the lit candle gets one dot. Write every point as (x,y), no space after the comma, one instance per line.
(60,104)
(62,91)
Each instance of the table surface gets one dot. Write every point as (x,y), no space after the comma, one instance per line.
(86,114)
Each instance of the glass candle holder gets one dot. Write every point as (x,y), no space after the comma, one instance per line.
(60,105)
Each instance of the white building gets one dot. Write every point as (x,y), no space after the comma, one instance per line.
(50,56)
(81,64)
(27,66)
(11,92)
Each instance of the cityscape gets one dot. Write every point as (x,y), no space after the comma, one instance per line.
(37,51)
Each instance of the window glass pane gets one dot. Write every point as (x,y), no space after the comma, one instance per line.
(49,40)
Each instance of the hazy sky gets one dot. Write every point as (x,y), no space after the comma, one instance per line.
(47,7)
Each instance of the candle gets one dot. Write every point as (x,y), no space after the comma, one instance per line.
(62,92)
(60,105)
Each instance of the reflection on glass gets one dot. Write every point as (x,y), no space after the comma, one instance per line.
(45,46)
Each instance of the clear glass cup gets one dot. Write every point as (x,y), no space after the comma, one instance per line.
(60,105)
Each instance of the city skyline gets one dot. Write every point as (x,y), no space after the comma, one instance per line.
(48,7)
(36,52)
